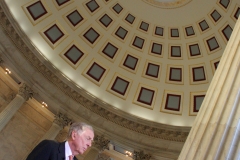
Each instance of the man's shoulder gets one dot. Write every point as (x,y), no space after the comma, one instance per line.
(49,142)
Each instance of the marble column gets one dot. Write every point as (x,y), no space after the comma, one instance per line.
(100,143)
(59,123)
(24,93)
(215,132)
(141,155)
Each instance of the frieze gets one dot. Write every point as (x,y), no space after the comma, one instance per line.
(97,108)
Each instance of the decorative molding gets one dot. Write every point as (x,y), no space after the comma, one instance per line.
(25,91)
(104,157)
(162,131)
(141,155)
(10,96)
(100,142)
(62,120)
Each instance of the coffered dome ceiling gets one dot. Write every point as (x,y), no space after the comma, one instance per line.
(151,59)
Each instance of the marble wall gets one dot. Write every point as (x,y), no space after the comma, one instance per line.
(26,127)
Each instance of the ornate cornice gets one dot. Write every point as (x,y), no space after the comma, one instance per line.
(164,132)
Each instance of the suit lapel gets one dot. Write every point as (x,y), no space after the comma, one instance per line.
(61,151)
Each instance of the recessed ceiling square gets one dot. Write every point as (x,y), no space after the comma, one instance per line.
(74,18)
(138,42)
(130,62)
(37,10)
(224,3)
(189,31)
(130,18)
(117,8)
(146,96)
(121,32)
(237,14)
(175,51)
(96,71)
(105,20)
(120,85)
(175,74)
(144,26)
(215,15)
(227,31)
(203,25)
(152,70)
(156,48)
(194,50)
(61,2)
(54,33)
(159,31)
(110,50)
(92,5)
(174,33)
(198,99)
(212,44)
(198,74)
(74,54)
(173,102)
(91,35)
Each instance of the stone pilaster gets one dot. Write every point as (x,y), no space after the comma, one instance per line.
(100,143)
(25,92)
(141,155)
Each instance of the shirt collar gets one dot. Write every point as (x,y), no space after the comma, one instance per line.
(68,151)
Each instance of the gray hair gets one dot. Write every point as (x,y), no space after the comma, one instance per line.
(78,127)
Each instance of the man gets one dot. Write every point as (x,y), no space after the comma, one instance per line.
(80,137)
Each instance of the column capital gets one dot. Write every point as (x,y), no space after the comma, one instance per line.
(100,142)
(141,156)
(25,91)
(62,120)
(103,157)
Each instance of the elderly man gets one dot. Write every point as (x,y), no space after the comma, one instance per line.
(80,137)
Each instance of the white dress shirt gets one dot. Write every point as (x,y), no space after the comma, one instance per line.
(68,151)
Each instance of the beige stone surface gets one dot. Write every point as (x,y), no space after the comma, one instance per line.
(18,137)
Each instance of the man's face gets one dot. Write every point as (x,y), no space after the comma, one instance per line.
(82,141)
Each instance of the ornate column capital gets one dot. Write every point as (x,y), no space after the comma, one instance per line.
(100,142)
(141,156)
(25,91)
(62,120)
(103,157)
(10,96)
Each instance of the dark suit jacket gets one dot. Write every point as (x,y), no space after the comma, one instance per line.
(48,150)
